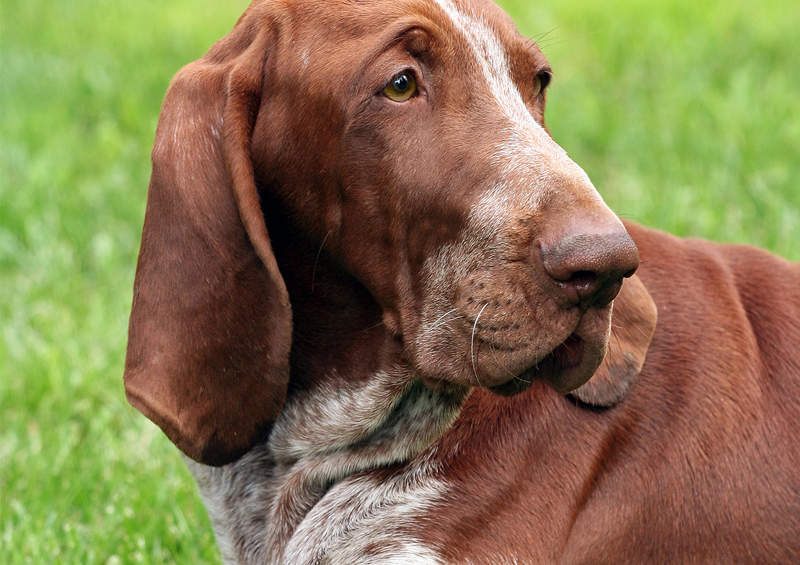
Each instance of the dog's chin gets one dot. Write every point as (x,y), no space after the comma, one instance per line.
(565,367)
(569,365)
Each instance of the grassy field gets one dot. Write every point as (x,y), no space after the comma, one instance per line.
(685,115)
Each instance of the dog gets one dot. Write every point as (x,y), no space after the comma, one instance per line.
(387,319)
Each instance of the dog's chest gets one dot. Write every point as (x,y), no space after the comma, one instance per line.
(345,478)
(370,518)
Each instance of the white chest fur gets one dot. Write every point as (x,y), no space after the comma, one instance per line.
(316,492)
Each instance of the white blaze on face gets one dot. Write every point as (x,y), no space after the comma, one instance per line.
(534,186)
(491,58)
(525,152)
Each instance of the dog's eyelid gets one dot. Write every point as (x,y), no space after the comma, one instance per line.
(540,82)
(544,76)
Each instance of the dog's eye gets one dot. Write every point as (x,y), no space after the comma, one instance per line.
(540,82)
(402,87)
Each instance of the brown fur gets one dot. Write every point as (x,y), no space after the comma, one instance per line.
(304,234)
(698,464)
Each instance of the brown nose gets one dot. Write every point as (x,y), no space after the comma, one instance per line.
(588,268)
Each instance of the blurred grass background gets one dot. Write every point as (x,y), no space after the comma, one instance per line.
(684,114)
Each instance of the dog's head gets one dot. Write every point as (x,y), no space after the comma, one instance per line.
(407,139)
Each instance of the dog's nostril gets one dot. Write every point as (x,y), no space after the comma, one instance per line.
(580,285)
(582,278)
(589,268)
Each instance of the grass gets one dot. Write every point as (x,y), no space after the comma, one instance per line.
(684,115)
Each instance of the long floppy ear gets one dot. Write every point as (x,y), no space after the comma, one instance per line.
(210,326)
(633,323)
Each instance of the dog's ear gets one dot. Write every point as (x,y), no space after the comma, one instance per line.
(633,323)
(210,325)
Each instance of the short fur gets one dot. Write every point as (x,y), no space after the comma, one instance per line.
(358,317)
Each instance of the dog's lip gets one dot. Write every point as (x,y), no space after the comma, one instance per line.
(565,356)
(567,364)
(568,354)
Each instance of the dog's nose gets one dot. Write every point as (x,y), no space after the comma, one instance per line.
(588,268)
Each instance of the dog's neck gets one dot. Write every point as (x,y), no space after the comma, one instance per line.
(354,408)
(278,503)
(326,434)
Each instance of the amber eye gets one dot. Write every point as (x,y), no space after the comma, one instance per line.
(540,82)
(402,87)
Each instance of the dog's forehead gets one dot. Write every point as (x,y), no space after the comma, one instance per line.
(488,31)
(338,19)
(481,11)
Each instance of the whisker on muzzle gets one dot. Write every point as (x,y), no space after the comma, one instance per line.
(316,260)
(440,321)
(472,345)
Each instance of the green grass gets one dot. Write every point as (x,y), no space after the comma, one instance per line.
(684,114)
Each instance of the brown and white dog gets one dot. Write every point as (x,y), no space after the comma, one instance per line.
(368,275)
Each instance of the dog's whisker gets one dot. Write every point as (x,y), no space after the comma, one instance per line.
(372,327)
(316,260)
(472,345)
(440,321)
(542,36)
(446,322)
